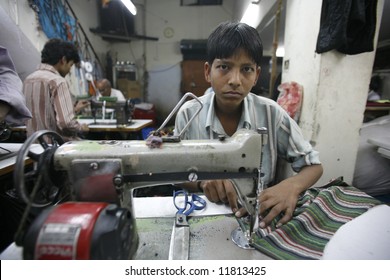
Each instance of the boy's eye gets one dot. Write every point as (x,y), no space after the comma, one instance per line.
(223,66)
(248,69)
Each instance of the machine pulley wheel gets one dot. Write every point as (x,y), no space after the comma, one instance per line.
(34,181)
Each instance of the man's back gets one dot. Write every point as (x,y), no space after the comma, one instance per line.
(48,98)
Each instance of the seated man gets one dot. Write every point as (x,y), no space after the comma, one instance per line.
(48,95)
(105,89)
(13,107)
(13,110)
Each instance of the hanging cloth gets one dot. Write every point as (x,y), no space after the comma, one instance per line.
(347,26)
(54,19)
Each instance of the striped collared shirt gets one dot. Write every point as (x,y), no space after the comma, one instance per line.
(50,102)
(285,139)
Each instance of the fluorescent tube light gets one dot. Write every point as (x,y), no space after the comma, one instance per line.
(252,15)
(130,6)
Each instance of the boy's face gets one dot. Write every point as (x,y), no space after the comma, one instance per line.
(232,78)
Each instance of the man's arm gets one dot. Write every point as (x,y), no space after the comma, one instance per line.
(80,105)
(11,94)
(4,109)
(64,109)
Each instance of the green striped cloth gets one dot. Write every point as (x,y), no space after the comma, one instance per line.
(320,212)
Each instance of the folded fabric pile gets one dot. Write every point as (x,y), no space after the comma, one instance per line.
(320,212)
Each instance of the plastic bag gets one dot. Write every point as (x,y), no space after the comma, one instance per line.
(290,99)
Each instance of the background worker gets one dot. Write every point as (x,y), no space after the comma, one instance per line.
(105,89)
(233,67)
(47,92)
(13,107)
(374,87)
(13,110)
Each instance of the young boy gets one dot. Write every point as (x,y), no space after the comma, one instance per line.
(234,55)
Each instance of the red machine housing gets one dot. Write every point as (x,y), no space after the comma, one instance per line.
(81,230)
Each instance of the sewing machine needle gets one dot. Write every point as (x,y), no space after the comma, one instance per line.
(254,219)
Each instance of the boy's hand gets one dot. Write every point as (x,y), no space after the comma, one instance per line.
(220,191)
(281,198)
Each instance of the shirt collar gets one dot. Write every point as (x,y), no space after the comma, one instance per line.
(212,122)
(48,67)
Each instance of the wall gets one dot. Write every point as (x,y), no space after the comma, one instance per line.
(21,34)
(335,89)
(158,62)
(22,51)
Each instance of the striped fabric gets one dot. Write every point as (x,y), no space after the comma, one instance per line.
(319,214)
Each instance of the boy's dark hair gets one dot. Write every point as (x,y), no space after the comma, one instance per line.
(228,37)
(55,49)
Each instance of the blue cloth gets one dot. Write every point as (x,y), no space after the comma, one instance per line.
(55,20)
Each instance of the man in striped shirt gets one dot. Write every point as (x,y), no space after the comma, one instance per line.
(47,92)
(234,55)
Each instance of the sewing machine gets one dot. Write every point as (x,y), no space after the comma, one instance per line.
(123,111)
(106,172)
(91,184)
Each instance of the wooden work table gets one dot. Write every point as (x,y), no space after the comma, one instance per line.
(103,128)
(135,125)
(7,164)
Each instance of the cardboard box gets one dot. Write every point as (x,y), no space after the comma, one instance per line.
(192,77)
(130,89)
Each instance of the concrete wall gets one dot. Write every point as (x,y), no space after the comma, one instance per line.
(335,89)
(21,34)
(158,62)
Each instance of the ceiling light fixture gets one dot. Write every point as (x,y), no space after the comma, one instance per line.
(252,15)
(130,6)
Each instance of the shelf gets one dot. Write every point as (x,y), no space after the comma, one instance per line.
(114,37)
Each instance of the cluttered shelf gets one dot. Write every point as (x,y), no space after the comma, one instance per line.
(379,105)
(375,109)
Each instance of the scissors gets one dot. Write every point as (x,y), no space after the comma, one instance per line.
(180,239)
(187,206)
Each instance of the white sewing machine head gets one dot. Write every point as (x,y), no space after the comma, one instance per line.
(109,170)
